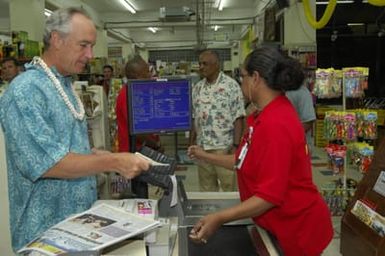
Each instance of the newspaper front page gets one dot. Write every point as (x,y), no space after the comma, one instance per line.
(92,230)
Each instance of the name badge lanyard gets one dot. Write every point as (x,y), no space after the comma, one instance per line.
(245,148)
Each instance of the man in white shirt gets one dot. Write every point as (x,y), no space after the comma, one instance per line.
(218,108)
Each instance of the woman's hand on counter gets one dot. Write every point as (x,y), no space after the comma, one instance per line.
(206,227)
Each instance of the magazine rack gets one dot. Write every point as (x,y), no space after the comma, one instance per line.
(358,238)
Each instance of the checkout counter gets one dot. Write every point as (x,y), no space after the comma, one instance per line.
(240,237)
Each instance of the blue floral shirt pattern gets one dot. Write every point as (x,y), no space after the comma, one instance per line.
(39,131)
(216,107)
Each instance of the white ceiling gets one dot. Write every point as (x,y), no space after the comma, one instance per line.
(121,25)
(230,20)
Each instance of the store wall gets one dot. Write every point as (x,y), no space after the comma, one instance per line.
(246,47)
(128,50)
(100,48)
(297,30)
(235,61)
(4,24)
(27,16)
(143,53)
(5,38)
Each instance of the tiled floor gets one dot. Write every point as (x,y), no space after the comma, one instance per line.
(321,176)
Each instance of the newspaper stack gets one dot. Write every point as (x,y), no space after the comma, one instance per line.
(92,230)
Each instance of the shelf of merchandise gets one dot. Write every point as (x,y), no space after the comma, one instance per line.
(344,108)
(344,176)
(344,189)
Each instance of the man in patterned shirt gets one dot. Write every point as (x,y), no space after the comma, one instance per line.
(218,110)
(51,168)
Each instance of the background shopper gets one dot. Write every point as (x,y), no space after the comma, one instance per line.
(218,110)
(302,101)
(9,69)
(136,68)
(108,72)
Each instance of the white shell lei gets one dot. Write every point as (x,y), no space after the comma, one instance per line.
(78,115)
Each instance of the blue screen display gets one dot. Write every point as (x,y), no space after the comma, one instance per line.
(158,106)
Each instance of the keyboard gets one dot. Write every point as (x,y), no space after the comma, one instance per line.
(158,175)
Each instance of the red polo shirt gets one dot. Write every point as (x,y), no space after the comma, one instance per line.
(277,169)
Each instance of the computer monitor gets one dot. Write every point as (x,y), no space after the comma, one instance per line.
(159,106)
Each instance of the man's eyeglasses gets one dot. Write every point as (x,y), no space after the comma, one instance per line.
(205,63)
(242,76)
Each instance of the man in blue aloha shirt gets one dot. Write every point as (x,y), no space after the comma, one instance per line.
(51,168)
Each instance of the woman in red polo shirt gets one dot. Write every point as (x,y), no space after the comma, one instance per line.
(272,163)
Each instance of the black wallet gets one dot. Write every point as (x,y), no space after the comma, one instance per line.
(158,175)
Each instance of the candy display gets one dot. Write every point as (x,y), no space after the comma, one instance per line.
(361,155)
(345,128)
(328,83)
(337,83)
(337,197)
(355,81)
(336,155)
(340,125)
(367,124)
(350,125)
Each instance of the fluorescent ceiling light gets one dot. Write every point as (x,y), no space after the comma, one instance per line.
(356,24)
(338,2)
(220,5)
(47,12)
(152,29)
(128,5)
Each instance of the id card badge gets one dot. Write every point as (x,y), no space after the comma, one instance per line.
(242,156)
(245,148)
